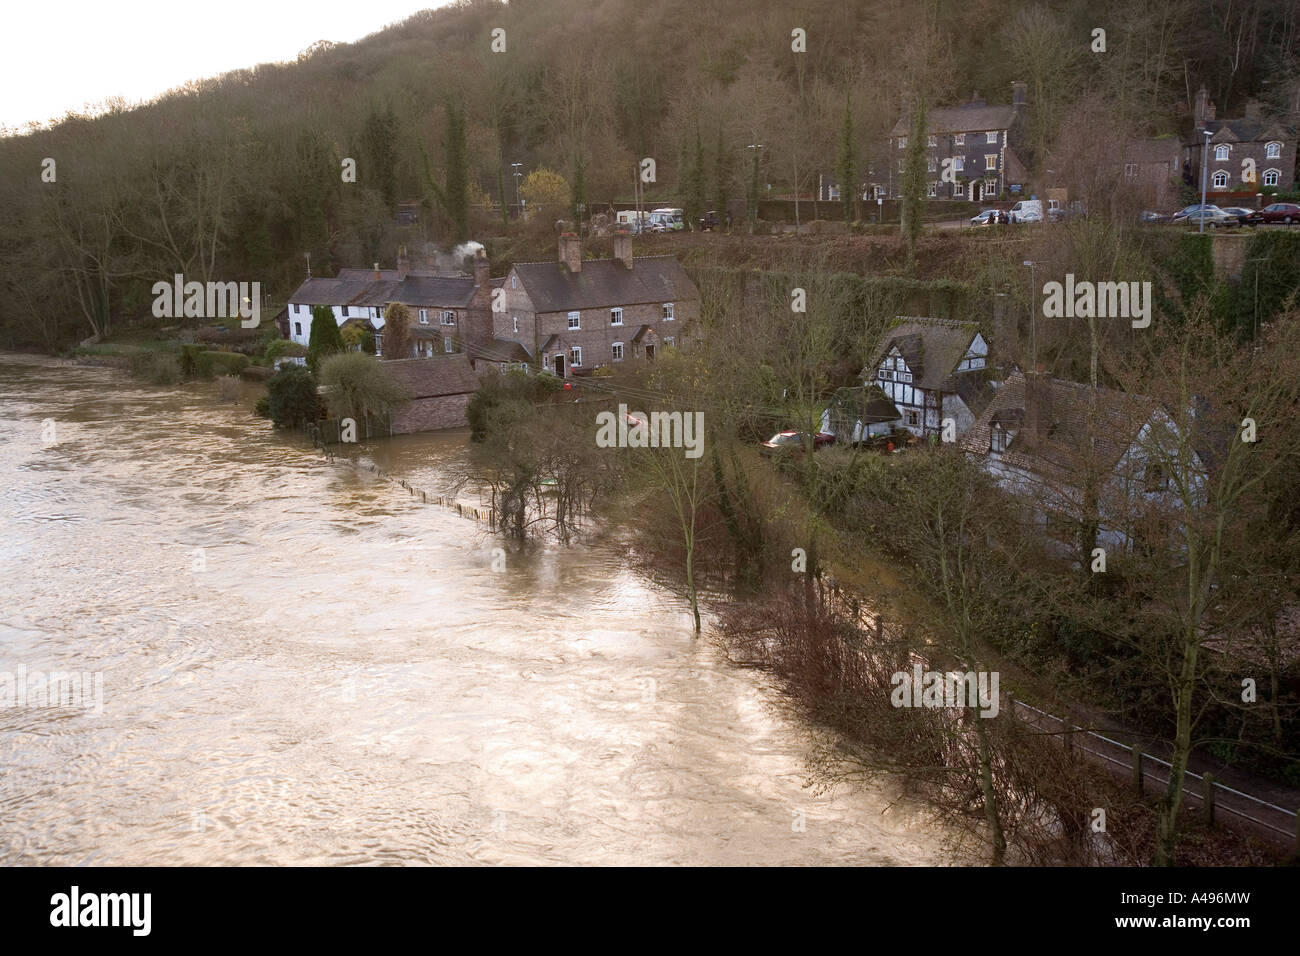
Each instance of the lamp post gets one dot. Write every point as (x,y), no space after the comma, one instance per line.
(1033,317)
(1205,163)
(753,186)
(515,171)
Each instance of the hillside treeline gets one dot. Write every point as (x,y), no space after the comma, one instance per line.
(239,177)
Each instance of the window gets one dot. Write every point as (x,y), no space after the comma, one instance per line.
(670,341)
(424,348)
(1273,151)
(448,318)
(1221,154)
(615,316)
(379,343)
(902,142)
(575,356)
(1271,177)
(958,164)
(379,312)
(990,188)
(345,312)
(931,164)
(932,141)
(618,351)
(886,374)
(1131,170)
(297,328)
(1001,438)
(959,139)
(990,161)
(900,165)
(424,316)
(912,418)
(447,345)
(573,320)
(514,281)
(932,190)
(668,312)
(516,323)
(991,136)
(1220,180)
(959,190)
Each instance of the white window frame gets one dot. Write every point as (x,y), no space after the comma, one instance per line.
(516,318)
(1131,170)
(447,345)
(617,351)
(902,142)
(447,318)
(616,315)
(933,190)
(959,139)
(932,141)
(931,164)
(990,162)
(1273,151)
(514,281)
(1272,177)
(575,321)
(669,342)
(991,136)
(959,190)
(1220,179)
(1221,153)
(959,164)
(575,357)
(424,316)
(669,312)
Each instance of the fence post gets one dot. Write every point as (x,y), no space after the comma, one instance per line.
(1137,770)
(1209,798)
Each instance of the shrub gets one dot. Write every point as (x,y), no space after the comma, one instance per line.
(209,364)
(262,407)
(325,338)
(357,385)
(157,368)
(283,348)
(292,398)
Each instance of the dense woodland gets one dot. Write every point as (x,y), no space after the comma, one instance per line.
(238,177)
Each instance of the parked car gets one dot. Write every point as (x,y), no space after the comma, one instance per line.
(1210,213)
(1058,213)
(793,442)
(1151,216)
(1283,212)
(1238,214)
(987,217)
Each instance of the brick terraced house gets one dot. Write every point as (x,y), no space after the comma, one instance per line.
(574,315)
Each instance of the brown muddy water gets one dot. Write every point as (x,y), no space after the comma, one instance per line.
(297,663)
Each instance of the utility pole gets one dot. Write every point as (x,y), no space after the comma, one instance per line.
(515,171)
(1205,163)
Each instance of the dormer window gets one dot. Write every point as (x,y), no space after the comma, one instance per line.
(1220,180)
(1221,154)
(959,139)
(1273,151)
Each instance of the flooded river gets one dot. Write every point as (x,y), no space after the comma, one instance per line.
(297,663)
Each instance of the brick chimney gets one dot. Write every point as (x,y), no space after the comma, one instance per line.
(571,251)
(378,275)
(623,248)
(1204,108)
(482,279)
(1038,407)
(403,264)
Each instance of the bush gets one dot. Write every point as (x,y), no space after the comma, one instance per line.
(209,364)
(292,398)
(157,368)
(262,407)
(357,385)
(284,348)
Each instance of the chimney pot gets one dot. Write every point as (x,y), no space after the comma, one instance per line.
(377,274)
(482,279)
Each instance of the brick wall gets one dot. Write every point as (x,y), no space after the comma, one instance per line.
(596,337)
(431,414)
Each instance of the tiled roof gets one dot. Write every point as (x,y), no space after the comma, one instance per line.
(970,118)
(604,283)
(434,377)
(1242,131)
(501,350)
(932,349)
(359,287)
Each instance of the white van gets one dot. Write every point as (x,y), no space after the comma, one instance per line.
(1028,210)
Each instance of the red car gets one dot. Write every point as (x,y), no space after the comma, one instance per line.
(795,442)
(1283,212)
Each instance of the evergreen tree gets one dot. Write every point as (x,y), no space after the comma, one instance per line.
(291,397)
(379,143)
(453,194)
(721,178)
(325,337)
(693,194)
(913,184)
(844,166)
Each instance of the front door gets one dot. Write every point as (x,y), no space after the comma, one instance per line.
(977,191)
(559,365)
(650,353)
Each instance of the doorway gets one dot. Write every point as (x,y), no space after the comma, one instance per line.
(559,365)
(649,353)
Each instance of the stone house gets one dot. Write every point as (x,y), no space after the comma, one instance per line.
(1153,170)
(575,315)
(970,150)
(1238,147)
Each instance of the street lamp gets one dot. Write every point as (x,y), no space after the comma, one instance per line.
(514,169)
(1205,162)
(1033,317)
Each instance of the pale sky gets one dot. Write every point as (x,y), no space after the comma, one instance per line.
(65,54)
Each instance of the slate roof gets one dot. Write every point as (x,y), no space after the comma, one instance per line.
(501,350)
(869,404)
(360,288)
(1074,419)
(434,377)
(603,283)
(932,349)
(1242,131)
(968,118)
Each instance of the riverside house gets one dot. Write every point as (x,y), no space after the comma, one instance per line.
(574,315)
